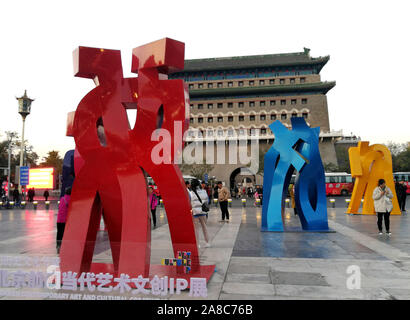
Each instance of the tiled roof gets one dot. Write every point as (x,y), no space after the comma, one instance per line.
(322,87)
(257,61)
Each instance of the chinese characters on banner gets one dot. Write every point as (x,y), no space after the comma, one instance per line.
(101,282)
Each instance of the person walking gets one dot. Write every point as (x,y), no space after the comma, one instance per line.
(403,195)
(200,208)
(215,195)
(383,205)
(208,191)
(188,185)
(256,197)
(223,196)
(46,194)
(153,203)
(30,195)
(62,216)
(16,195)
(261,195)
(291,191)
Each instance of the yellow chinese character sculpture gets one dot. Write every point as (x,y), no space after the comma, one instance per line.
(368,164)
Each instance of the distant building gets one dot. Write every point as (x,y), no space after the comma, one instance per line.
(238,96)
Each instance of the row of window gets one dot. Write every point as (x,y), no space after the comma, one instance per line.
(339,179)
(246,73)
(229,132)
(241,104)
(252,117)
(250,83)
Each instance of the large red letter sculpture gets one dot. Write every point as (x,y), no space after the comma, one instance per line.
(111,179)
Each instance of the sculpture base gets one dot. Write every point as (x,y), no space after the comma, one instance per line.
(393,213)
(298,230)
(160,271)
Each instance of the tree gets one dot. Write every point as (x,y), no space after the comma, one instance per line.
(401,162)
(196,170)
(342,156)
(11,139)
(400,153)
(262,151)
(31,156)
(396,148)
(54,160)
(330,167)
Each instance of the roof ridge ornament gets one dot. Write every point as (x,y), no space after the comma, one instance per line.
(306,51)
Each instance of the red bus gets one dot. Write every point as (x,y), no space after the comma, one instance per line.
(403,176)
(338,183)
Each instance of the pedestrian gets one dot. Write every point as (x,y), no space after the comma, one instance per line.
(223,196)
(216,191)
(207,188)
(383,205)
(46,194)
(199,204)
(16,195)
(236,190)
(402,199)
(250,192)
(291,190)
(62,216)
(153,203)
(101,132)
(256,196)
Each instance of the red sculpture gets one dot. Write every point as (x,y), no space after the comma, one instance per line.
(111,179)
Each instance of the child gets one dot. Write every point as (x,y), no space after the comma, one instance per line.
(256,196)
(62,217)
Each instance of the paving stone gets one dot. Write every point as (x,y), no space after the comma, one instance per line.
(248,278)
(241,268)
(225,296)
(249,289)
(385,283)
(331,292)
(298,278)
(399,294)
(304,265)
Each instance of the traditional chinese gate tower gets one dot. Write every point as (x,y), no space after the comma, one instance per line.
(111,180)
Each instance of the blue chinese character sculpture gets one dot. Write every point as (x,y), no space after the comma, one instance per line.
(294,149)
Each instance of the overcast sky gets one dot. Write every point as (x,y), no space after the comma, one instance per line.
(368,44)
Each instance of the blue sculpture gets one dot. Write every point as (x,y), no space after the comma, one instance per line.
(294,149)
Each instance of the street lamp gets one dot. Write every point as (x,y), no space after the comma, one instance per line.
(24,110)
(10,138)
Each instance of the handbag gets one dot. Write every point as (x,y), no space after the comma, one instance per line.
(205,207)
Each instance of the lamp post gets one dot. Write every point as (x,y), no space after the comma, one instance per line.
(10,138)
(24,110)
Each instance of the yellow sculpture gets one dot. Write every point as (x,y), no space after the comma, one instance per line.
(368,164)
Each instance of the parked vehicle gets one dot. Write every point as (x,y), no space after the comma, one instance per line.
(403,176)
(339,183)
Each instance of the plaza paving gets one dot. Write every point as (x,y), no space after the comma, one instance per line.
(259,265)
